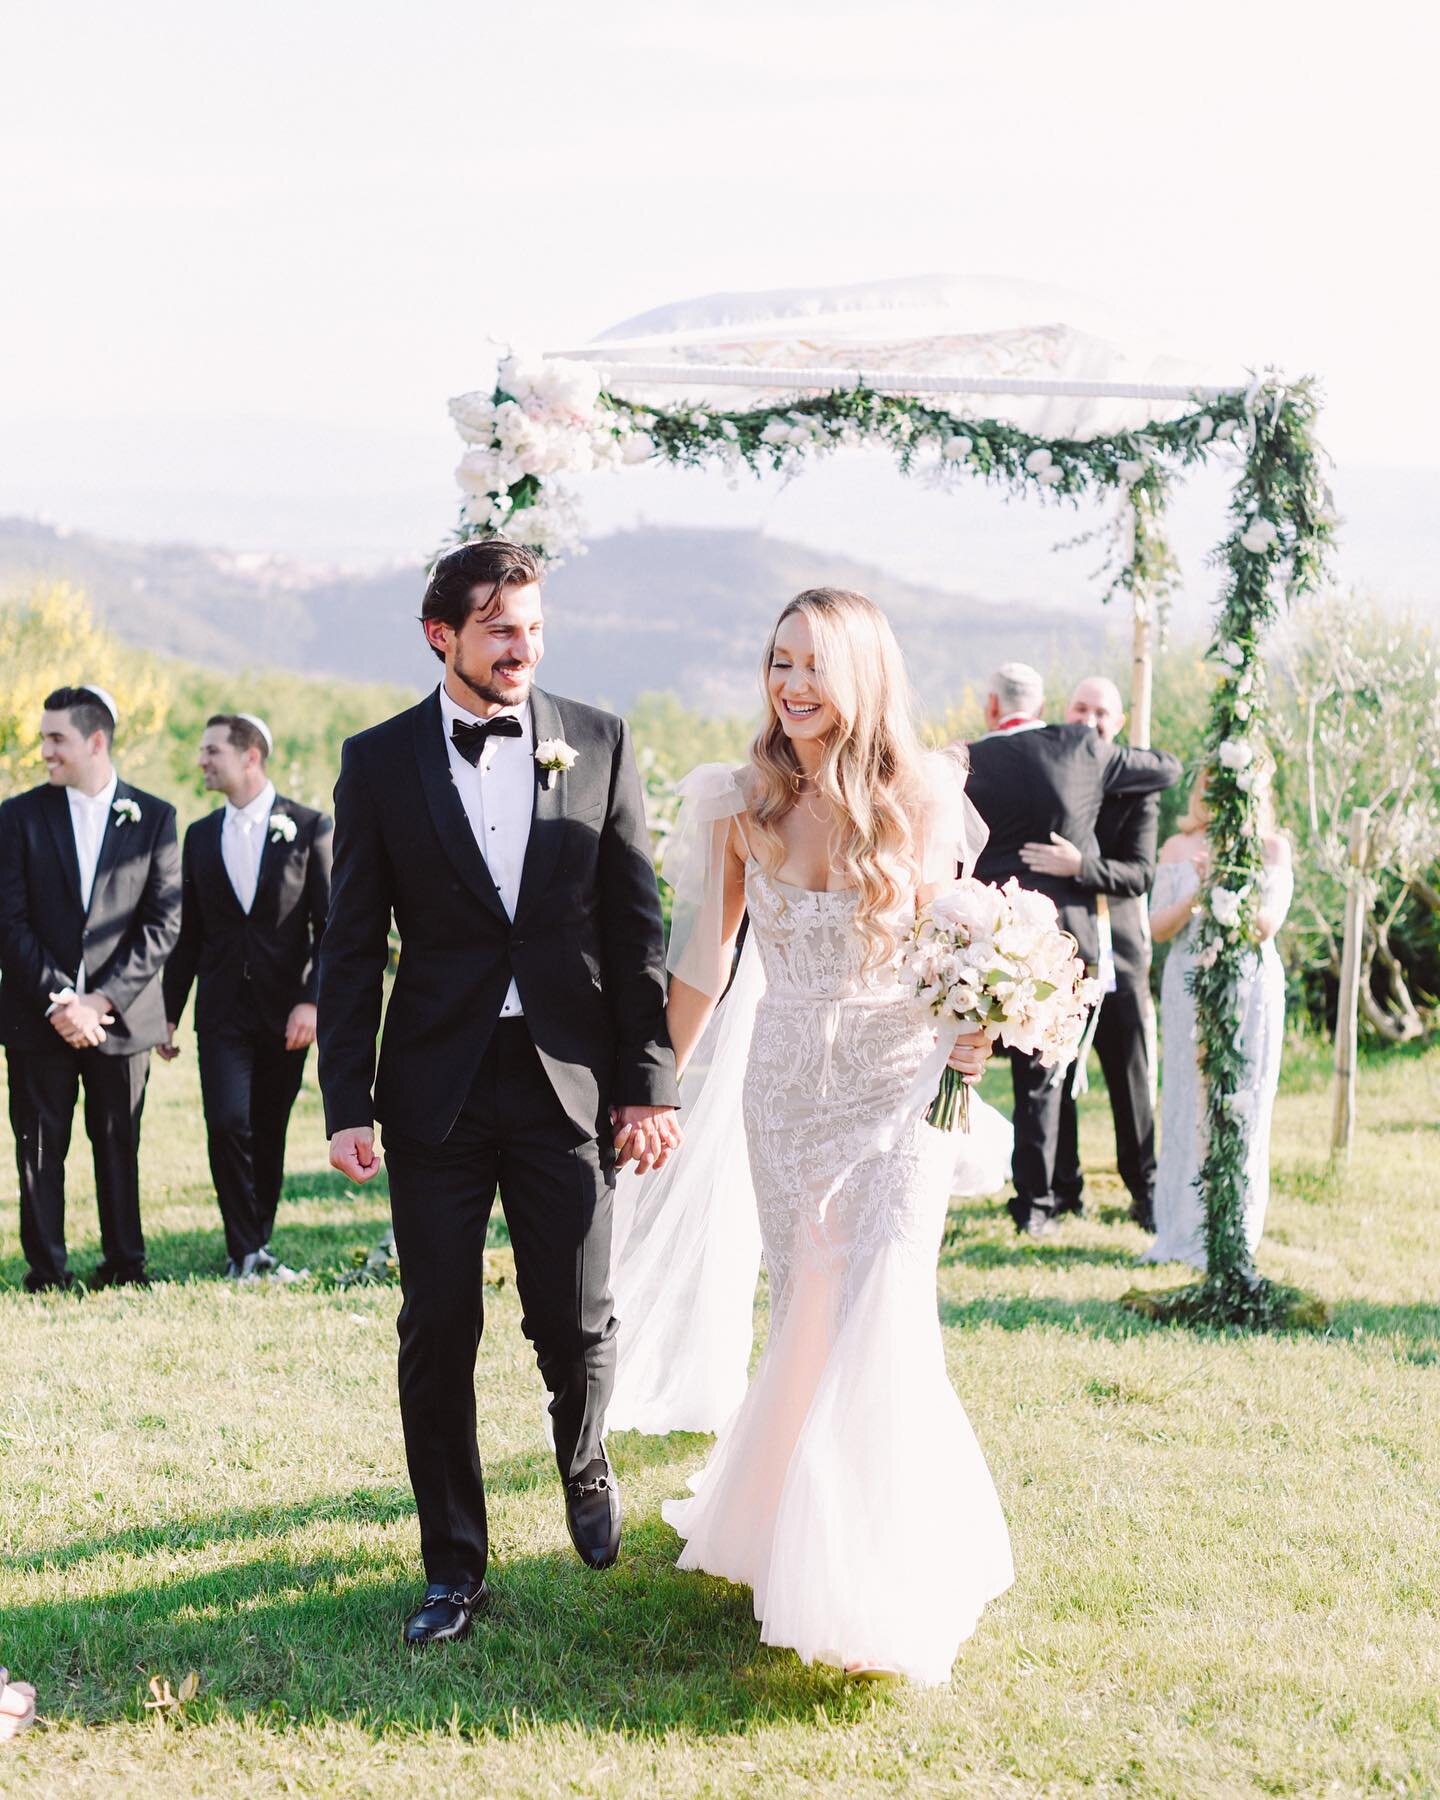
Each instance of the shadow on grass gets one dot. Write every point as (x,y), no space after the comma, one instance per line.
(362,1506)
(1081,1318)
(326,1249)
(330,1184)
(1039,1256)
(291,1640)
(971,1239)
(1413,1329)
(200,1254)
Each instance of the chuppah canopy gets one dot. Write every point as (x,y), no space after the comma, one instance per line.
(1064,366)
(1045,408)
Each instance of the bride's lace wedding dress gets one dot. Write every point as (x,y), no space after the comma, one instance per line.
(848,1490)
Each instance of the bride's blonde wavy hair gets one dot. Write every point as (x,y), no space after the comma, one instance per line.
(870,769)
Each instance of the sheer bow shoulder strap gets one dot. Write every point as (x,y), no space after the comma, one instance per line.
(693,864)
(955,834)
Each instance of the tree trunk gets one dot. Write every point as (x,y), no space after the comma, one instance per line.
(1347,1016)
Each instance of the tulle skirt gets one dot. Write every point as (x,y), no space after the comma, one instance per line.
(849,1491)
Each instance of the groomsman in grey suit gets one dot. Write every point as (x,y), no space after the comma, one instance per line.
(89,910)
(257,894)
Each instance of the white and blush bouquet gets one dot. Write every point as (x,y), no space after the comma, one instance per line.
(996,958)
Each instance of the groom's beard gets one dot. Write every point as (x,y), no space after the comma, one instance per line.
(493,692)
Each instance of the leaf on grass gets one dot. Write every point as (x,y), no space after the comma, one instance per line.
(190,1686)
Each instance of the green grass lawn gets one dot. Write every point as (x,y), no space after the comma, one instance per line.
(1228,1548)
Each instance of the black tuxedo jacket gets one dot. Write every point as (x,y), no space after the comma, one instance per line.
(124,937)
(1122,866)
(1026,784)
(267,955)
(585,950)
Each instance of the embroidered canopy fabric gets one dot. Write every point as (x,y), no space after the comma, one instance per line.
(985,333)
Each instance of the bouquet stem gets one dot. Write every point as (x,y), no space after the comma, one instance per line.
(950,1109)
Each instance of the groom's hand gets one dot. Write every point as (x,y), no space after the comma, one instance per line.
(645,1135)
(353,1154)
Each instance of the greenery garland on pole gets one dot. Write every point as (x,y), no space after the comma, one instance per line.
(545,420)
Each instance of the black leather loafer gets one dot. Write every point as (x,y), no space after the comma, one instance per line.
(444,1615)
(1142,1215)
(593,1513)
(106,1275)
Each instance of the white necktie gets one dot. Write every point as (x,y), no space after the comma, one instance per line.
(249,858)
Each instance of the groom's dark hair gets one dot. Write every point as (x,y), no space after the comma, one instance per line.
(491,563)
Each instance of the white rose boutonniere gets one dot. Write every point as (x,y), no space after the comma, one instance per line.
(282,828)
(126,811)
(554,757)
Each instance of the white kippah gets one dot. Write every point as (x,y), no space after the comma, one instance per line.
(107,700)
(261,727)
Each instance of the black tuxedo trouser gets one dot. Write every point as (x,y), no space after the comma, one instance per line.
(1038,1097)
(248,1081)
(44,1085)
(512,1133)
(1122,1045)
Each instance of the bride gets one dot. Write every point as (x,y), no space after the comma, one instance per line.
(847,1490)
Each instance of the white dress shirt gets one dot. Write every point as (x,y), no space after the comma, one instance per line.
(498,794)
(89,815)
(242,843)
(1011,726)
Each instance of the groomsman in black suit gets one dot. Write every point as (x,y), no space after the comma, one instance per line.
(524,1046)
(89,910)
(1035,783)
(1119,871)
(257,892)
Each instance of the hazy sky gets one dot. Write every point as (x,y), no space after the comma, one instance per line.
(251,250)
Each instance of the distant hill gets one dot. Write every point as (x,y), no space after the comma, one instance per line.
(654,609)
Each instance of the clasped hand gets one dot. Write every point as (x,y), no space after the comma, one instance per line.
(81,1020)
(645,1136)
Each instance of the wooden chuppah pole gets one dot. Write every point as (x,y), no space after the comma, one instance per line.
(1347,1003)
(1142,673)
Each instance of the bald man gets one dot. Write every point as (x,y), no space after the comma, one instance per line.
(1118,871)
(1040,789)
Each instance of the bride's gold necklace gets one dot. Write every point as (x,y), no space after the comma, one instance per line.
(798,779)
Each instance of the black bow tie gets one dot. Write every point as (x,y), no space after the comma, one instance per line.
(470,740)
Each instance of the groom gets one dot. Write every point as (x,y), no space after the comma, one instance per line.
(503,828)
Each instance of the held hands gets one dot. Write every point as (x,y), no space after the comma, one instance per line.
(300,1026)
(81,1019)
(169,1050)
(971,1053)
(1058,857)
(353,1154)
(645,1135)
